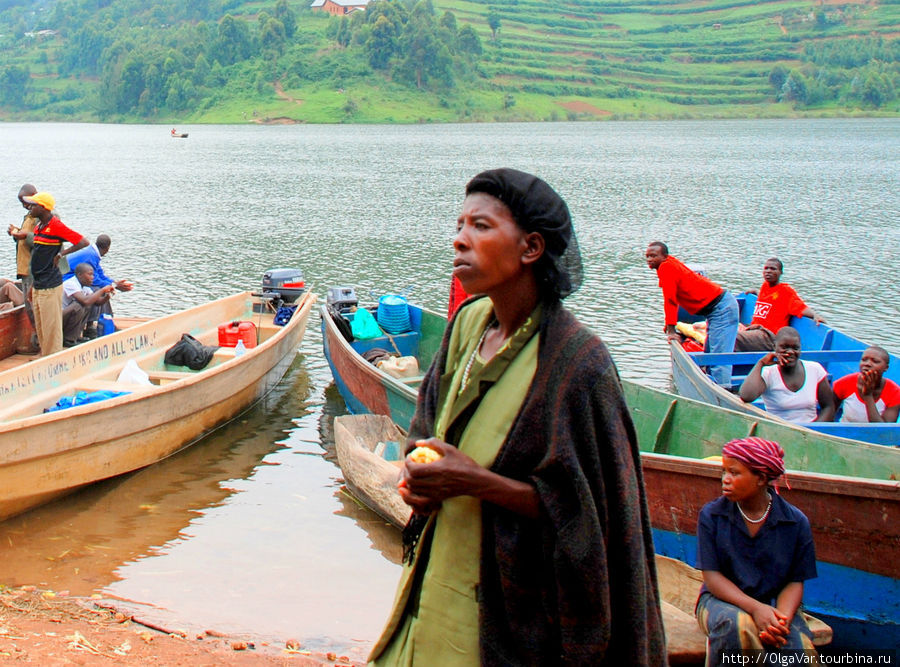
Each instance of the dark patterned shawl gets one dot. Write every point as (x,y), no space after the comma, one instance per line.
(578,585)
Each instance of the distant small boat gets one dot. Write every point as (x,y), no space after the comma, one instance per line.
(179,135)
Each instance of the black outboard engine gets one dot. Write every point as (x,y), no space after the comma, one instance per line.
(284,283)
(343,299)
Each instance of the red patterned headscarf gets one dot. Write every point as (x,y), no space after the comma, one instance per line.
(762,456)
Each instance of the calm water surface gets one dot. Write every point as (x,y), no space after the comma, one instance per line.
(249,531)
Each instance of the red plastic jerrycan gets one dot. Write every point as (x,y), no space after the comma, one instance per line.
(231,332)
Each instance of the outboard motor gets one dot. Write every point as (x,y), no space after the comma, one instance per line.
(284,283)
(343,299)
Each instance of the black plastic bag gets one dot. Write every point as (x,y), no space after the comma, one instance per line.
(190,352)
(341,322)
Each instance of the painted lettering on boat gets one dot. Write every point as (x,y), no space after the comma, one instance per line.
(83,358)
(138,342)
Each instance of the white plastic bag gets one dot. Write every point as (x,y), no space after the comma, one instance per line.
(133,374)
(400,367)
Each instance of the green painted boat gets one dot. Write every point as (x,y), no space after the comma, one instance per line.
(850,494)
(849,490)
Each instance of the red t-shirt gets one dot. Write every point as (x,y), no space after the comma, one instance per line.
(457,296)
(775,305)
(854,408)
(48,240)
(683,287)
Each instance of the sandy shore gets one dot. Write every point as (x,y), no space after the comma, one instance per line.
(49,628)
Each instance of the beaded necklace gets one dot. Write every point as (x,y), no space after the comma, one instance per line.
(760,519)
(465,377)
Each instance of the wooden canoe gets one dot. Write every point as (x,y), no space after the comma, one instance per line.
(16,331)
(368,476)
(835,350)
(854,508)
(848,489)
(373,481)
(47,454)
(366,388)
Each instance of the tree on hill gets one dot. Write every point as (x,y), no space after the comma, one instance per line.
(426,60)
(234,42)
(288,18)
(469,41)
(493,19)
(383,43)
(14,84)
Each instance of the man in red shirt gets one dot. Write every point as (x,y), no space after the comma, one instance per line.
(775,304)
(47,291)
(699,296)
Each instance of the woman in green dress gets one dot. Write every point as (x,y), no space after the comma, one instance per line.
(530,539)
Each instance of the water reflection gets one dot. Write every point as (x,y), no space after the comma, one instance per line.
(249,531)
(78,542)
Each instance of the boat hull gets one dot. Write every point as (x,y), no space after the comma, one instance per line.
(852,501)
(836,351)
(15,332)
(366,388)
(43,456)
(371,478)
(854,520)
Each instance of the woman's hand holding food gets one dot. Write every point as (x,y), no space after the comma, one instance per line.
(434,471)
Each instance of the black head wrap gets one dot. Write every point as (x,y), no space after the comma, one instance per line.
(537,208)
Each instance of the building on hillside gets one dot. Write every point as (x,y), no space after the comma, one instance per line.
(339,7)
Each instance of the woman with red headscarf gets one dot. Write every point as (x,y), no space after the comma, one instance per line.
(755,550)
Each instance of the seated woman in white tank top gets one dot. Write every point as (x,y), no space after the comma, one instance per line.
(791,388)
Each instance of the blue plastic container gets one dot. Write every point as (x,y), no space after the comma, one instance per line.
(105,325)
(393,314)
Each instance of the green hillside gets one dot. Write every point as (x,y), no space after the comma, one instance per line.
(446,60)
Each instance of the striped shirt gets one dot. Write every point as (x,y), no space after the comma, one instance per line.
(48,240)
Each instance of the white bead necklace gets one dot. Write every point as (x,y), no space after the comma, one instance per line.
(465,377)
(760,519)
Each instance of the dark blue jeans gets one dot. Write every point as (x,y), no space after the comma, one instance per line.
(721,332)
(730,631)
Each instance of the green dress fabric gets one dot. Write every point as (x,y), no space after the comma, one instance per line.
(435,618)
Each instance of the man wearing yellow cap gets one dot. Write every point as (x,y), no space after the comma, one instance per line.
(49,235)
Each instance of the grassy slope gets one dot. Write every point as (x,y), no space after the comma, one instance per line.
(579,59)
(631,59)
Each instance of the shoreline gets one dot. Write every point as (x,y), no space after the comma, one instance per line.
(51,628)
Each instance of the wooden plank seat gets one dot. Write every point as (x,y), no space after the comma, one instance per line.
(165,377)
(824,357)
(111,385)
(679,588)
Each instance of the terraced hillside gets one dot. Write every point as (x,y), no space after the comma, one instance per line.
(682,52)
(446,60)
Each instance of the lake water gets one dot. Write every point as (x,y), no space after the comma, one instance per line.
(249,531)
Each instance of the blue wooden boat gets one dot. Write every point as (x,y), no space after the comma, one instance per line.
(849,490)
(835,350)
(366,388)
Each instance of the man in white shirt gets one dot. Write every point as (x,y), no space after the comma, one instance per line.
(77,300)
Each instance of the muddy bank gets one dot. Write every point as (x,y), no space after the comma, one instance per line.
(49,628)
